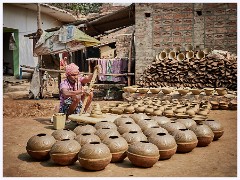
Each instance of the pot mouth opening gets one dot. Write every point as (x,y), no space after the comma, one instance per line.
(128,122)
(65,139)
(144,141)
(155,127)
(161,134)
(183,129)
(86,134)
(41,134)
(113,137)
(103,121)
(147,119)
(95,142)
(209,120)
(133,132)
(105,128)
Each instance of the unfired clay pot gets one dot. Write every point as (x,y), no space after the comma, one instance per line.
(221,91)
(118,147)
(172,126)
(127,127)
(187,122)
(147,123)
(154,130)
(139,116)
(85,138)
(203,133)
(216,127)
(105,124)
(106,132)
(186,140)
(143,154)
(160,119)
(39,146)
(63,134)
(65,152)
(84,129)
(94,156)
(122,120)
(166,144)
(134,136)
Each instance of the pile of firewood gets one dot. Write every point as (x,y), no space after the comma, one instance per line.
(217,69)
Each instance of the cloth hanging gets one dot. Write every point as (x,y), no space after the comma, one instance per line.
(109,70)
(116,69)
(103,64)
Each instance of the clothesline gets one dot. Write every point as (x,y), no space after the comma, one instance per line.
(112,59)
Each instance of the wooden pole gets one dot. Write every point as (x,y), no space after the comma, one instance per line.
(130,59)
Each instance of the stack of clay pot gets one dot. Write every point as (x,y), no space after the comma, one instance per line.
(96,111)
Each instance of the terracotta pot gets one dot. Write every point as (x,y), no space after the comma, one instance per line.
(147,123)
(139,116)
(127,127)
(186,140)
(86,138)
(187,122)
(167,90)
(216,127)
(199,118)
(172,126)
(168,112)
(208,91)
(117,110)
(204,134)
(131,89)
(154,130)
(106,132)
(139,109)
(118,147)
(191,111)
(65,152)
(143,90)
(157,112)
(129,109)
(166,144)
(221,91)
(84,129)
(183,91)
(94,156)
(122,120)
(105,124)
(215,105)
(161,119)
(143,154)
(195,91)
(149,110)
(203,111)
(39,146)
(61,134)
(134,136)
(155,90)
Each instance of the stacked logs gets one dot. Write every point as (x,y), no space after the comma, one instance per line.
(218,69)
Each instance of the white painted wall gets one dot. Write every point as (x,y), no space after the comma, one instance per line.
(25,21)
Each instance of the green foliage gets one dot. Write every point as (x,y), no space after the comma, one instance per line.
(82,8)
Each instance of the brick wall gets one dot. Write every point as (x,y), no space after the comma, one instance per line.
(167,25)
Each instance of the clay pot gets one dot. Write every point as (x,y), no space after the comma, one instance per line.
(106,132)
(203,111)
(189,47)
(61,134)
(117,110)
(118,147)
(233,104)
(216,127)
(166,144)
(143,154)
(189,55)
(143,90)
(215,105)
(168,112)
(195,91)
(191,111)
(183,91)
(207,50)
(39,146)
(131,89)
(105,124)
(186,140)
(139,116)
(86,138)
(221,91)
(172,55)
(127,127)
(122,120)
(199,118)
(187,122)
(180,109)
(200,55)
(204,134)
(180,57)
(155,90)
(167,90)
(154,130)
(129,109)
(139,109)
(157,112)
(147,123)
(84,129)
(134,136)
(65,152)
(208,91)
(94,156)
(223,105)
(172,126)
(160,119)
(162,55)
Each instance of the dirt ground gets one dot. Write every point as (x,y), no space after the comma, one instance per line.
(23,118)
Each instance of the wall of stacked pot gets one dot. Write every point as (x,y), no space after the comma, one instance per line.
(168,25)
(217,69)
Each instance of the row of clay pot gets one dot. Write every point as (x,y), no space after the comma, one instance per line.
(181,91)
(142,139)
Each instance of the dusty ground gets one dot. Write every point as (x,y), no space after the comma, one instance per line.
(23,118)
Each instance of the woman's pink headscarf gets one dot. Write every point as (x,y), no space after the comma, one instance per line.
(71,68)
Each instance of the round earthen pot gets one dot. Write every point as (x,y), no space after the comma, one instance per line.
(106,132)
(122,120)
(155,90)
(161,119)
(186,140)
(85,138)
(168,112)
(154,130)
(208,91)
(216,127)
(149,110)
(147,123)
(105,124)
(39,146)
(172,126)
(187,122)
(139,109)
(63,134)
(134,136)
(129,109)
(65,152)
(84,129)
(143,154)
(128,126)
(118,147)
(221,91)
(139,116)
(94,156)
(166,144)
(204,134)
